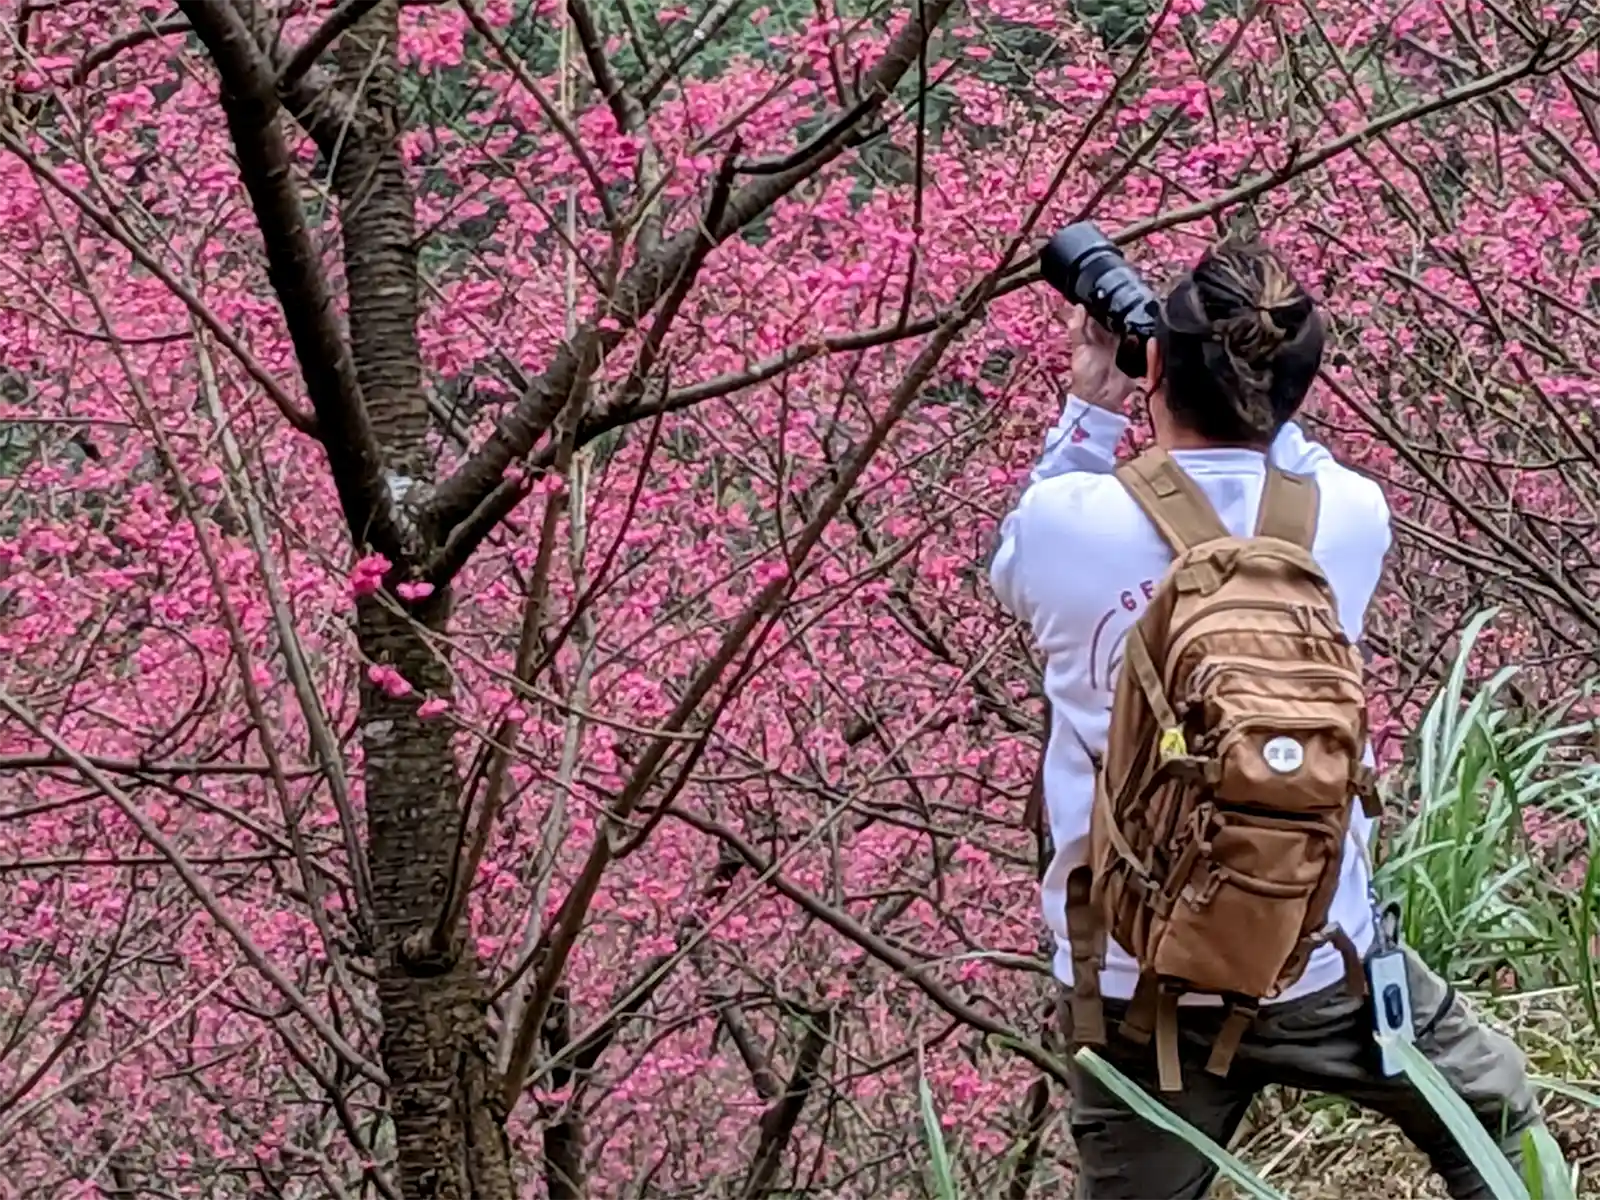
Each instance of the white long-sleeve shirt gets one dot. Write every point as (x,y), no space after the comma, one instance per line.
(1078,560)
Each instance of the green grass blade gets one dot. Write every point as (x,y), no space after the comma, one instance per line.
(1480,1148)
(1440,722)
(1583,922)
(1159,1115)
(1544,1168)
(944,1183)
(1562,1087)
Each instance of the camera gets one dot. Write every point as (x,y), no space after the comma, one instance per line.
(1086,267)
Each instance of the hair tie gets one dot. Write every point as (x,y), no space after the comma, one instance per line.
(1290,315)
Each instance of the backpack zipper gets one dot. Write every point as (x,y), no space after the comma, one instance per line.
(1237,732)
(1300,612)
(1210,671)
(1262,812)
(1266,889)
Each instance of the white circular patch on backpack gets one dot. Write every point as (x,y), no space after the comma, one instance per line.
(1284,755)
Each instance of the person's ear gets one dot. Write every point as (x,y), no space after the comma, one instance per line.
(1152,364)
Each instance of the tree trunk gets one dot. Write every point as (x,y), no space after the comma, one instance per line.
(377,218)
(443,1095)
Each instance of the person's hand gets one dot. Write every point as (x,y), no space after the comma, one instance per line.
(1095,377)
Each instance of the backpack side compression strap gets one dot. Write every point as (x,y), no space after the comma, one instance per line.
(1086,931)
(1173,501)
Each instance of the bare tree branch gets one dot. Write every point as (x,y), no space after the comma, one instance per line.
(552,113)
(563,1137)
(295,269)
(465,537)
(1574,599)
(718,15)
(101,55)
(303,59)
(625,108)
(896,960)
(650,279)
(151,833)
(779,1121)
(297,419)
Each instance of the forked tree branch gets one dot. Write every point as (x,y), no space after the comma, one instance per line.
(303,59)
(508,493)
(101,55)
(294,267)
(779,1121)
(644,286)
(718,15)
(625,108)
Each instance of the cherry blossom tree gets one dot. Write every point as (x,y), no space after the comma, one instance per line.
(500,698)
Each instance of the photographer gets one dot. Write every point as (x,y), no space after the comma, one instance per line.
(1231,353)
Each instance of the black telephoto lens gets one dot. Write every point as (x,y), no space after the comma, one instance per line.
(1086,267)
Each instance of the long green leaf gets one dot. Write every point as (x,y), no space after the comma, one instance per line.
(1440,721)
(1159,1115)
(1480,1148)
(1583,922)
(1562,1087)
(944,1182)
(1544,1168)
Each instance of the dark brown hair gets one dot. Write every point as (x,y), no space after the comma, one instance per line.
(1241,342)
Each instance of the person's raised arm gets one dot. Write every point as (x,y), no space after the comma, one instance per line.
(1083,440)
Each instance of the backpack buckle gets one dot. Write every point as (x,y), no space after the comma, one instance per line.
(1202,887)
(1201,576)
(1364,782)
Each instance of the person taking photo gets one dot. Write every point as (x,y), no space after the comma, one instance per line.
(1238,345)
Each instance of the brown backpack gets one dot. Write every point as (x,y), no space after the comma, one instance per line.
(1234,752)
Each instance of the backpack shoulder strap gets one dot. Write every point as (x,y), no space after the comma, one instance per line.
(1289,505)
(1173,501)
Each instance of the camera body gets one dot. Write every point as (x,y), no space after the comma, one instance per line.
(1088,269)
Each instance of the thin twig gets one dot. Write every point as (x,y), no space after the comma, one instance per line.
(303,59)
(292,413)
(101,55)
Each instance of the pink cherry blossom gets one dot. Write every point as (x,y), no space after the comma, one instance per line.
(184,484)
(366,577)
(389,679)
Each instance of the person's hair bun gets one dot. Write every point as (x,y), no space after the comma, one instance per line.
(1254,305)
(1242,340)
(1250,308)
(1292,315)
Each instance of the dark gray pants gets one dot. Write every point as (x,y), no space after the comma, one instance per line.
(1320,1043)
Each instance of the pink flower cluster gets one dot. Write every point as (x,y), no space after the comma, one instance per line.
(861,760)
